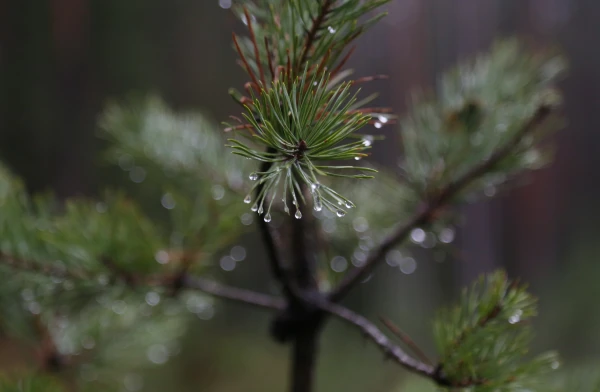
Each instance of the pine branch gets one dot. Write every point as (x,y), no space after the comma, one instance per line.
(187,282)
(444,196)
(390,349)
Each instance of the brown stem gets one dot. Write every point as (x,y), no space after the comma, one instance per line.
(305,358)
(311,35)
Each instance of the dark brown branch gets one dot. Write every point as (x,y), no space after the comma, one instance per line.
(233,293)
(407,340)
(311,35)
(390,349)
(341,64)
(244,61)
(270,59)
(427,214)
(255,45)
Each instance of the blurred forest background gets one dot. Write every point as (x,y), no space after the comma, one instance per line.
(62,60)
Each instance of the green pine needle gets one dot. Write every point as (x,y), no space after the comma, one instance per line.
(301,127)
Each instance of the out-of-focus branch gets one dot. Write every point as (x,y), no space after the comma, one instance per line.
(233,293)
(443,197)
(186,282)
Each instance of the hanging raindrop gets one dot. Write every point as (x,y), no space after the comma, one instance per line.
(253,176)
(318,204)
(254,208)
(268,217)
(298,214)
(340,213)
(247,199)
(260,210)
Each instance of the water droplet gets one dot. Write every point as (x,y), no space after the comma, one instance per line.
(137,174)
(318,204)
(367,140)
(34,308)
(383,119)
(254,208)
(446,236)
(378,125)
(253,176)
(247,199)
(260,210)
(360,224)
(417,235)
(359,258)
(315,186)
(393,258)
(158,354)
(516,317)
(246,219)
(218,192)
(268,217)
(331,30)
(408,265)
(133,382)
(339,264)
(555,365)
(152,298)
(225,4)
(348,204)
(298,214)
(286,209)
(340,213)
(168,201)
(88,343)
(119,307)
(238,253)
(357,158)
(227,263)
(162,257)
(207,313)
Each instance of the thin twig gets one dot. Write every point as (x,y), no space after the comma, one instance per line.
(427,214)
(407,340)
(244,61)
(311,35)
(234,293)
(256,50)
(390,349)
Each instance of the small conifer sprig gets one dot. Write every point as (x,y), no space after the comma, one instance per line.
(483,340)
(300,110)
(303,127)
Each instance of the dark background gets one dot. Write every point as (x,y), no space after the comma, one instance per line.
(61,60)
